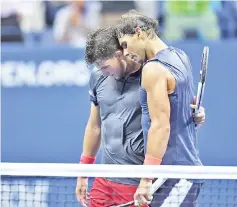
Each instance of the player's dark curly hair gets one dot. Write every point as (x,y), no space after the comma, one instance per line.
(132,19)
(101,44)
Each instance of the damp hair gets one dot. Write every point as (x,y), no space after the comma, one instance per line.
(101,45)
(132,20)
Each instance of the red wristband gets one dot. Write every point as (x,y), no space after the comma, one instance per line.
(148,179)
(150,160)
(87,160)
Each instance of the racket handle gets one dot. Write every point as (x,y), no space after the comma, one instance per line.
(199,97)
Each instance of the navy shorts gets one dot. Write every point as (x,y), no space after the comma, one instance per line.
(177,193)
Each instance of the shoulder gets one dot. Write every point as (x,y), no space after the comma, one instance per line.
(154,69)
(96,77)
(96,73)
(153,72)
(183,58)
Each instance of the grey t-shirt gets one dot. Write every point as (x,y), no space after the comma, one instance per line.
(120,111)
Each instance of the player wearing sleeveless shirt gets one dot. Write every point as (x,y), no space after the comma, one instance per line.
(165,94)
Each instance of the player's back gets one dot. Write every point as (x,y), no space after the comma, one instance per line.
(182,147)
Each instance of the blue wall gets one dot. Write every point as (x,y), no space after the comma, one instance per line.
(45,103)
(44,121)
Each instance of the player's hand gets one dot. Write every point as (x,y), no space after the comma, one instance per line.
(199,118)
(81,191)
(143,195)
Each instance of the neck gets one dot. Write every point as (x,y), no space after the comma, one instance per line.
(153,46)
(133,69)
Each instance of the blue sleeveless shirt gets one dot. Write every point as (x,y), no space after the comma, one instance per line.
(182,147)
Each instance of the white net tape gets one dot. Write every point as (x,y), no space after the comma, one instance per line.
(132,171)
(53,185)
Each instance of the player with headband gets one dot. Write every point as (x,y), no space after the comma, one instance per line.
(165,94)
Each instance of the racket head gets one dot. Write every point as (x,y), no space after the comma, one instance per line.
(204,64)
(202,81)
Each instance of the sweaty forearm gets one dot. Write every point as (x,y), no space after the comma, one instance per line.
(92,140)
(158,137)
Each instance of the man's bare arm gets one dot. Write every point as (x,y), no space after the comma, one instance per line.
(155,81)
(91,146)
(92,136)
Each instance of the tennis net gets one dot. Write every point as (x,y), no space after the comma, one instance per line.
(53,185)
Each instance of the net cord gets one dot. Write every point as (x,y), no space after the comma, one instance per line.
(118,171)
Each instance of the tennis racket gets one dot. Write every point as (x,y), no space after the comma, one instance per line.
(155,186)
(202,81)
